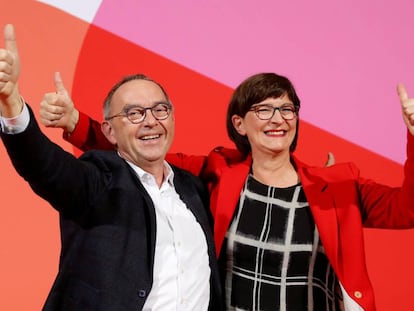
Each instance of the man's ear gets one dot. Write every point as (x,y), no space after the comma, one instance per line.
(108,132)
(238,124)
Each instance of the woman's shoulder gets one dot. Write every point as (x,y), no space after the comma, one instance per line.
(335,172)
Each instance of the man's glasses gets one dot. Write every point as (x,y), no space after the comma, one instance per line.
(266,112)
(137,114)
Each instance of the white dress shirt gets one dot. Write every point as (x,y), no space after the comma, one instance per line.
(181,263)
(16,124)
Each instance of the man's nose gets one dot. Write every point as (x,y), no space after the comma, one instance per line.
(149,117)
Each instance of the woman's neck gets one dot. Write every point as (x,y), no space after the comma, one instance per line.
(277,171)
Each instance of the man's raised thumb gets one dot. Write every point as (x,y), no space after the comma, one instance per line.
(60,88)
(10,38)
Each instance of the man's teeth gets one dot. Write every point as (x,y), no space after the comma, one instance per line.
(150,137)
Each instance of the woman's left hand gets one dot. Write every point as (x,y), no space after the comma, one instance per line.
(407,105)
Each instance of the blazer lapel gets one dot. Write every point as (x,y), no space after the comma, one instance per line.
(225,196)
(322,205)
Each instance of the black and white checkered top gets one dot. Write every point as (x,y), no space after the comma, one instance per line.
(273,257)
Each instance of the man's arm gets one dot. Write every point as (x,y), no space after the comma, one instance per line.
(54,174)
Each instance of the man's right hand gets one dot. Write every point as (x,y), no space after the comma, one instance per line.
(57,108)
(11,103)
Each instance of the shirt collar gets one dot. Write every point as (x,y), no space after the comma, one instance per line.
(144,176)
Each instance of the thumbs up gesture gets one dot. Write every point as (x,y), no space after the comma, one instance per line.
(407,105)
(10,101)
(57,109)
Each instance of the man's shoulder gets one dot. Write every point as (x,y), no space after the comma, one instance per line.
(104,154)
(103,158)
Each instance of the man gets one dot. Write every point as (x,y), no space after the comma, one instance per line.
(135,230)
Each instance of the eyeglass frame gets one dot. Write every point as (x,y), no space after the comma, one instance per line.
(127,108)
(295,111)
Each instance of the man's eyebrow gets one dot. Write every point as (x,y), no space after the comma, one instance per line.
(130,106)
(161,102)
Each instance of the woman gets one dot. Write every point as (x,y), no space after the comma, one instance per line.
(290,236)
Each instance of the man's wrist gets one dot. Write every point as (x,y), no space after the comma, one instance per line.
(74,119)
(13,105)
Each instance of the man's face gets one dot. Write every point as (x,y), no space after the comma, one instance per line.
(147,142)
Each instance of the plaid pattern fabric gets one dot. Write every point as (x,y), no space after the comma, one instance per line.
(273,256)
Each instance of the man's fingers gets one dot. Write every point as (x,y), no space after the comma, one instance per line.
(49,123)
(51,101)
(402,92)
(10,39)
(60,87)
(51,109)
(49,116)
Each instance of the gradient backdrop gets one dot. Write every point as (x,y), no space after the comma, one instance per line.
(344,57)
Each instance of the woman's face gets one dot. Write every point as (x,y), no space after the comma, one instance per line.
(272,136)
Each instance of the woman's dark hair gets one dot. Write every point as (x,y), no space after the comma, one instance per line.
(252,91)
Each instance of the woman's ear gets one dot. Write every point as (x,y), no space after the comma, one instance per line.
(238,124)
(108,132)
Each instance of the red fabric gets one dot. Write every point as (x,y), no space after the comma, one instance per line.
(88,135)
(80,133)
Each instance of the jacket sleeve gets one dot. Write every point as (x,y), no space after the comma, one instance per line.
(192,163)
(390,207)
(88,135)
(53,173)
